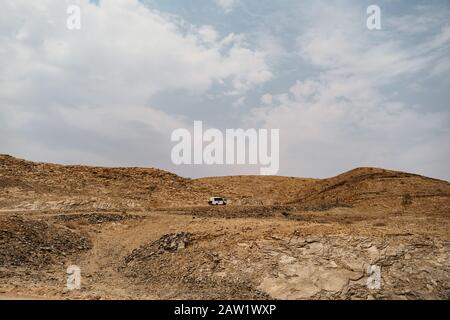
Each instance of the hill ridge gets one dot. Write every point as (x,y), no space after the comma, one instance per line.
(40,185)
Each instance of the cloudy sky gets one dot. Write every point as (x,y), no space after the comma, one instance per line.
(342,96)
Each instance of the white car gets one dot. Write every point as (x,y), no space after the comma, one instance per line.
(215,201)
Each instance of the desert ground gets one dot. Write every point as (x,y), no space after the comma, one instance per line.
(143,233)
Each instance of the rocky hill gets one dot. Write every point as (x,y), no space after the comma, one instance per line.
(372,187)
(26,185)
(146,233)
(29,185)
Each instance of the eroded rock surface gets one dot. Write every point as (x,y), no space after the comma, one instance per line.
(337,267)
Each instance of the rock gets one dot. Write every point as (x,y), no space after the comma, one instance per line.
(28,242)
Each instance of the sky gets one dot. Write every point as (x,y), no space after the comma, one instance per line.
(343,96)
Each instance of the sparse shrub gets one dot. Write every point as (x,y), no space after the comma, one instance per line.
(407,199)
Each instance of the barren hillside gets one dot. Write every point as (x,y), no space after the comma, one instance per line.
(42,186)
(28,185)
(371,187)
(148,234)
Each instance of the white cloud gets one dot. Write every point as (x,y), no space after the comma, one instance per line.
(335,124)
(422,19)
(341,118)
(103,75)
(122,44)
(348,51)
(226,5)
(267,98)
